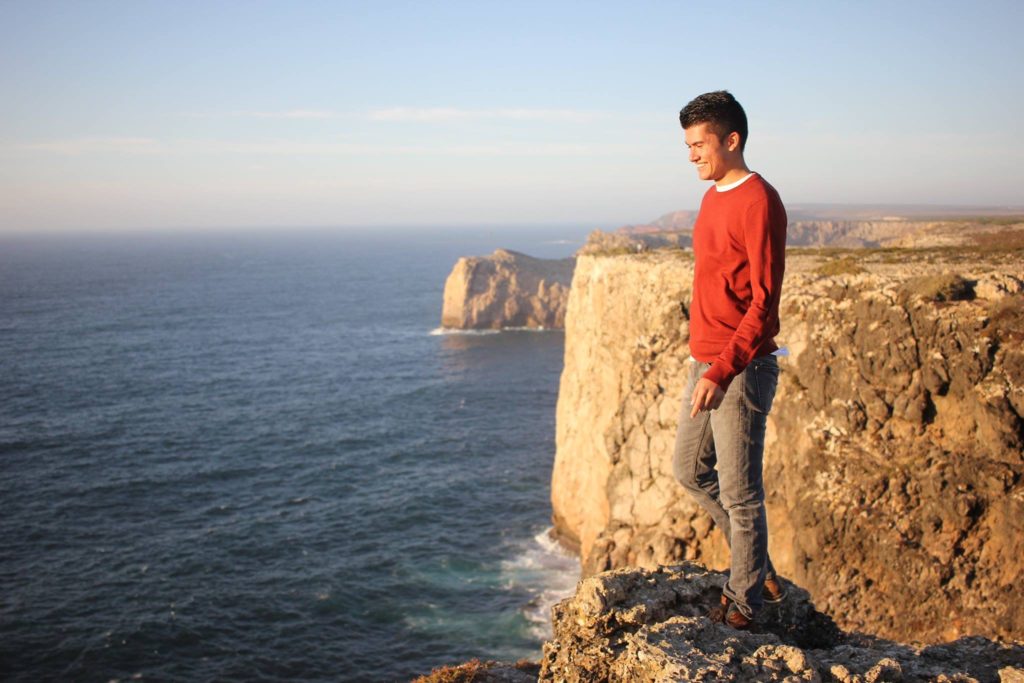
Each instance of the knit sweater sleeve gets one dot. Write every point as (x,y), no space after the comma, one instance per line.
(764,233)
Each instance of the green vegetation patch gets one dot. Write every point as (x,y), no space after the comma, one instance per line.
(846,265)
(999,240)
(988,220)
(829,252)
(613,251)
(942,287)
(1006,318)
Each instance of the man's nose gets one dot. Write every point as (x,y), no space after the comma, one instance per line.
(693,154)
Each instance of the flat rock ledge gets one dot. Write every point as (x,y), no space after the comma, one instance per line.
(636,625)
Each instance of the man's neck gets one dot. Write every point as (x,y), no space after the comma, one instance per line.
(732,175)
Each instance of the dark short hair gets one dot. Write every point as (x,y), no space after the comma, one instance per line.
(718,109)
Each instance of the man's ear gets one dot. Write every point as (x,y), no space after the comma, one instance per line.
(732,141)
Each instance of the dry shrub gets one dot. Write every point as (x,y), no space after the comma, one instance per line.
(847,265)
(943,287)
(1006,318)
(1009,239)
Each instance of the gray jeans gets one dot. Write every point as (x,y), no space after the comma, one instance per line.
(718,458)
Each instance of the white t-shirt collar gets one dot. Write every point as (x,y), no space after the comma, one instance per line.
(734,185)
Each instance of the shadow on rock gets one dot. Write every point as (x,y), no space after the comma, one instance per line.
(640,625)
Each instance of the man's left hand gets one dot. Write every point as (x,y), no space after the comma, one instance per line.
(706,396)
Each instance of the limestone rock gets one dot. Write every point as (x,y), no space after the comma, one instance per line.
(507,289)
(636,626)
(476,671)
(894,462)
(635,239)
(905,234)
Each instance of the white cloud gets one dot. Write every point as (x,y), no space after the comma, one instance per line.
(199,147)
(290,114)
(445,114)
(293,114)
(96,145)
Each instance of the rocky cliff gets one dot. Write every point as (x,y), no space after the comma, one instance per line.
(897,233)
(895,457)
(506,289)
(633,625)
(637,626)
(631,240)
(803,231)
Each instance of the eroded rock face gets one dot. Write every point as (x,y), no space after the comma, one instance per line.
(906,234)
(507,289)
(637,625)
(635,239)
(894,463)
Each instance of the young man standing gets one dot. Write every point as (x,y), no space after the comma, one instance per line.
(739,247)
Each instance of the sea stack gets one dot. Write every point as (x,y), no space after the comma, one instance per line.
(507,289)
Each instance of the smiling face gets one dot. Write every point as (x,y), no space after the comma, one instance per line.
(716,159)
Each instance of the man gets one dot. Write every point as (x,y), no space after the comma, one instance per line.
(739,247)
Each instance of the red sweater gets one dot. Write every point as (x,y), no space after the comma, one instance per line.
(739,246)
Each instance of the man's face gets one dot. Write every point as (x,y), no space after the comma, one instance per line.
(712,156)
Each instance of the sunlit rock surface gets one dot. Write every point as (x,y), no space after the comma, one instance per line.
(634,625)
(506,289)
(894,464)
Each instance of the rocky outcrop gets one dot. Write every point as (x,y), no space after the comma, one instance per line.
(476,671)
(635,626)
(895,452)
(893,232)
(677,221)
(870,233)
(632,240)
(903,234)
(506,289)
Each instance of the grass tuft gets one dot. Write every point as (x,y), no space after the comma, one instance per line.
(847,265)
(1006,318)
(944,287)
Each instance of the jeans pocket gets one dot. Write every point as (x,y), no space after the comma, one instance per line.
(762,377)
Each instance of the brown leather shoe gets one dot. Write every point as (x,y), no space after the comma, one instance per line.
(737,619)
(773,590)
(726,612)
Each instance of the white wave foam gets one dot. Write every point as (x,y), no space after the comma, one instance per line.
(456,331)
(548,573)
(451,330)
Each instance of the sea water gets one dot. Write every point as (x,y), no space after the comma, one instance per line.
(256,457)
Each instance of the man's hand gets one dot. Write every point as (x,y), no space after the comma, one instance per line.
(706,396)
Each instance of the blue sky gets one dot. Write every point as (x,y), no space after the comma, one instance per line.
(181,115)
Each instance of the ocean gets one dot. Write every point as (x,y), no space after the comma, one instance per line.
(255,457)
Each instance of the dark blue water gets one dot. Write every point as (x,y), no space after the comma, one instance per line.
(249,458)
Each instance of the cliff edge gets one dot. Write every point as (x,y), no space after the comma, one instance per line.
(639,626)
(894,462)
